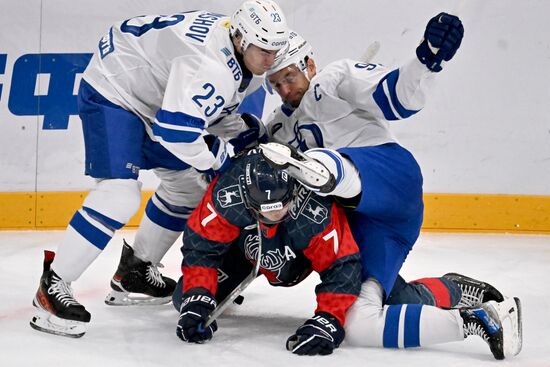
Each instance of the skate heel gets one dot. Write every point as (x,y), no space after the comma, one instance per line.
(509,313)
(59,313)
(46,322)
(124,298)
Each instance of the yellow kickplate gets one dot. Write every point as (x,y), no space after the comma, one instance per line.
(47,210)
(55,209)
(443,212)
(17,210)
(487,213)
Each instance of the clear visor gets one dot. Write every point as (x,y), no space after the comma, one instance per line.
(285,80)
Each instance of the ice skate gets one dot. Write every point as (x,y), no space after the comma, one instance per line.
(58,312)
(307,170)
(499,324)
(474,292)
(137,282)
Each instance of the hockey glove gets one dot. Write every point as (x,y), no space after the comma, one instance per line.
(255,134)
(196,305)
(319,335)
(222,151)
(442,39)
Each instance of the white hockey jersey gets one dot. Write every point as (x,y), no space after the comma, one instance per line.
(178,73)
(349,104)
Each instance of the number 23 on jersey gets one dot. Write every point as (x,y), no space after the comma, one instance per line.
(207,101)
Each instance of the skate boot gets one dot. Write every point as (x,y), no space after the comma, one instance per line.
(499,324)
(474,292)
(58,312)
(137,282)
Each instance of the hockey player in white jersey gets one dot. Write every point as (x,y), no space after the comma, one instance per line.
(340,118)
(161,93)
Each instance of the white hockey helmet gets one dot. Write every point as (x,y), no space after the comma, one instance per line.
(261,23)
(299,51)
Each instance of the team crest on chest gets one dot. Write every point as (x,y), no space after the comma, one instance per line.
(273,260)
(251,247)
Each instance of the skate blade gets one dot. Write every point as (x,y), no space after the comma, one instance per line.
(116,298)
(51,324)
(309,171)
(277,154)
(510,315)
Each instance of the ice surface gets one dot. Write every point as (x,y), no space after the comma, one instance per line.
(254,333)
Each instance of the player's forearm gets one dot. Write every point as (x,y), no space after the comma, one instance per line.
(200,277)
(335,304)
(415,80)
(340,286)
(196,153)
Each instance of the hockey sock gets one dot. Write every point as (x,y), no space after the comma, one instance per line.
(159,229)
(370,323)
(107,208)
(444,292)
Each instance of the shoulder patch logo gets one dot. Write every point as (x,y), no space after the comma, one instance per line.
(315,211)
(304,204)
(229,196)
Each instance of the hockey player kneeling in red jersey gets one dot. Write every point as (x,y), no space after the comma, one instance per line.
(253,207)
(300,232)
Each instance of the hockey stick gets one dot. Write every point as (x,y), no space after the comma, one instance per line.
(374,47)
(459,7)
(240,288)
(370,52)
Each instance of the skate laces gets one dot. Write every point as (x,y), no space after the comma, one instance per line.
(475,328)
(153,275)
(471,296)
(62,291)
(480,322)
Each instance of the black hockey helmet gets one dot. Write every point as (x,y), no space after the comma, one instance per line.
(266,188)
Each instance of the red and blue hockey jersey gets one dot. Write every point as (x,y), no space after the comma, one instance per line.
(315,237)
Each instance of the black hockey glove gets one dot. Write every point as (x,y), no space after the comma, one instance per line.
(442,39)
(319,335)
(196,305)
(255,134)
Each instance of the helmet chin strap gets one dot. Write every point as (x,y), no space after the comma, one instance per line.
(247,74)
(305,68)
